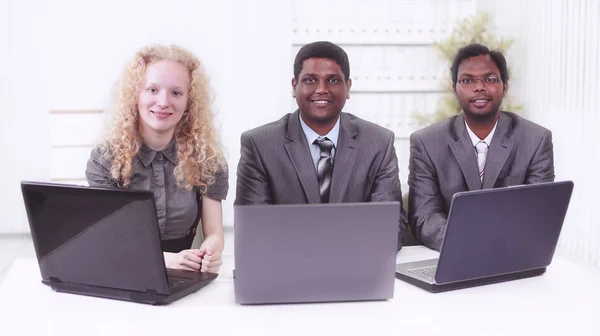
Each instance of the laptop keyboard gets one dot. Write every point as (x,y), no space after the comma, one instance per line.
(175,282)
(426,272)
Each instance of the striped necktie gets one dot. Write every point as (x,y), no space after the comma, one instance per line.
(481,148)
(324,168)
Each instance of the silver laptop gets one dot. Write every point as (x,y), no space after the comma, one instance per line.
(495,235)
(315,252)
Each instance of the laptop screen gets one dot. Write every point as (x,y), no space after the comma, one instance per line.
(59,214)
(95,236)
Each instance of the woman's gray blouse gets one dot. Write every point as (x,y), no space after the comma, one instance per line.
(176,207)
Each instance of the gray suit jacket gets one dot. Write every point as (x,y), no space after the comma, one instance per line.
(276,166)
(443,162)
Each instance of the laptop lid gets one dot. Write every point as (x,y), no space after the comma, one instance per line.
(315,252)
(501,231)
(96,236)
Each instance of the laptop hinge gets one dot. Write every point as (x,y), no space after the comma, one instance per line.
(151,291)
(54,280)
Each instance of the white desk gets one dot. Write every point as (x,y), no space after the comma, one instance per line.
(564,301)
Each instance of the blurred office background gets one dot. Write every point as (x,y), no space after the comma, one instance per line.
(61,58)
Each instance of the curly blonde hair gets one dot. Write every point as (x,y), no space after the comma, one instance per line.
(199,152)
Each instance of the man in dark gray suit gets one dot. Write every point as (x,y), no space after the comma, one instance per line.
(480,148)
(319,154)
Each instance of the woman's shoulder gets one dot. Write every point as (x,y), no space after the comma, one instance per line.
(102,155)
(220,185)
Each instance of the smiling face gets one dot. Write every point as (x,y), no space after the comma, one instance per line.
(480,99)
(163,98)
(321,91)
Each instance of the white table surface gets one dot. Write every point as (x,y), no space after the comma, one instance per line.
(564,301)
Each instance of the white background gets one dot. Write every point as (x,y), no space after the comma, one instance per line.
(60,59)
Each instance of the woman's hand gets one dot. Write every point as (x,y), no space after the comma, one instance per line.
(189,260)
(211,253)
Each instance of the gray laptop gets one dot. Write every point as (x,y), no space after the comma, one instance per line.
(103,242)
(495,235)
(315,252)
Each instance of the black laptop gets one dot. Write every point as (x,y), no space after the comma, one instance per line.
(495,235)
(103,242)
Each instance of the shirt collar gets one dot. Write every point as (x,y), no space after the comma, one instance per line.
(475,139)
(147,154)
(311,135)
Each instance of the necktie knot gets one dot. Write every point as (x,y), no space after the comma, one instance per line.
(481,147)
(324,144)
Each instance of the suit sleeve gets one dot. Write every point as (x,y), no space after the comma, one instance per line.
(426,213)
(541,168)
(387,187)
(252,181)
(97,171)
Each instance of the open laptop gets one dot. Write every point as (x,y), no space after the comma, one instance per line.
(103,242)
(315,252)
(495,235)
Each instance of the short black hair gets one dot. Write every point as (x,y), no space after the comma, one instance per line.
(322,49)
(473,50)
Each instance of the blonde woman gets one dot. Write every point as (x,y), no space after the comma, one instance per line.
(162,139)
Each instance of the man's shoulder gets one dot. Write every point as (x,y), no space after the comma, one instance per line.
(521,125)
(437,131)
(367,127)
(269,130)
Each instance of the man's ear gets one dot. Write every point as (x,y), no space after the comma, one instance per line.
(294,83)
(505,87)
(454,91)
(348,86)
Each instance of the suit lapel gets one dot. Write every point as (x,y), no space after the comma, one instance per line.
(500,148)
(344,160)
(297,150)
(462,148)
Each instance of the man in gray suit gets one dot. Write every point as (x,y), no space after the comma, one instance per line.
(480,148)
(319,154)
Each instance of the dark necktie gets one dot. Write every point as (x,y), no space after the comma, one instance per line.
(324,168)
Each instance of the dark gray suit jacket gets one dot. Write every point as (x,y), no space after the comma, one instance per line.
(443,162)
(276,166)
